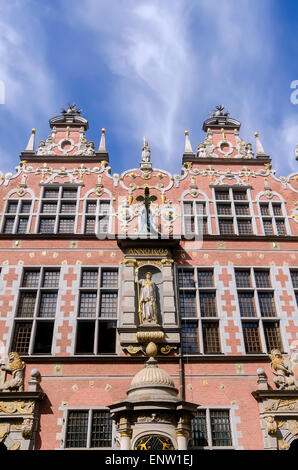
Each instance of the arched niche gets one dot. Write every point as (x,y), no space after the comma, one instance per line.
(158,288)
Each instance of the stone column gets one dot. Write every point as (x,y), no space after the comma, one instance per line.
(125,439)
(128,293)
(169,308)
(182,438)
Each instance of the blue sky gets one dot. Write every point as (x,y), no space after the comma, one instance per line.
(149,68)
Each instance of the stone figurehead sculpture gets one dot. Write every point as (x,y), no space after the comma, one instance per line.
(147,300)
(16,367)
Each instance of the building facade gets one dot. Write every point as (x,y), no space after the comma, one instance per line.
(146,310)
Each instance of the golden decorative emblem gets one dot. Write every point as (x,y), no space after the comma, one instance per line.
(21,407)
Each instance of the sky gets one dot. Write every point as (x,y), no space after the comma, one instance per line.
(152,68)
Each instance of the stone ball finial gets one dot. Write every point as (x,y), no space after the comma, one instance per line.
(151,349)
(35,374)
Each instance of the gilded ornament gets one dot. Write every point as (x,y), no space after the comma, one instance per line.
(271,425)
(4,428)
(15,446)
(166,349)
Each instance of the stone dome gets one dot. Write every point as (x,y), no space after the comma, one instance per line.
(152,383)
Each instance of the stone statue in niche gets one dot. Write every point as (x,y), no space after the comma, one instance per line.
(147,300)
(17,369)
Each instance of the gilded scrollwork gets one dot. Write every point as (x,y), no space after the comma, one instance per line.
(18,406)
(4,429)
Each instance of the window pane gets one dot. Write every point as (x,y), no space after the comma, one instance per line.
(198,433)
(200,208)
(226,226)
(106,337)
(31,279)
(69,193)
(242,209)
(68,208)
(281,229)
(211,337)
(239,195)
(48,304)
(220,428)
(251,337)
(242,278)
(91,207)
(21,338)
(101,429)
(262,279)
(294,277)
(108,304)
(222,195)
(87,306)
(277,209)
(89,278)
(268,227)
(47,225)
(103,224)
(188,208)
(264,209)
(77,428)
(246,304)
(186,278)
(51,278)
(189,338)
(187,304)
(12,208)
(202,225)
(205,278)
(104,207)
(109,278)
(244,227)
(66,225)
(8,226)
(207,304)
(224,209)
(189,223)
(22,225)
(25,207)
(50,193)
(266,303)
(26,304)
(90,225)
(43,338)
(85,337)
(272,336)
(49,208)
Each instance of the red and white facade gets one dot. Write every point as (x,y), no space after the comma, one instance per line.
(220,240)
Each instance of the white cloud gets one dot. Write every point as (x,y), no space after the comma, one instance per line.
(149,51)
(26,73)
(174,63)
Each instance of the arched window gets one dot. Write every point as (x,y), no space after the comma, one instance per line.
(97,214)
(273,215)
(195,215)
(17,213)
(234,210)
